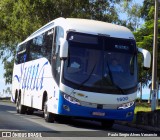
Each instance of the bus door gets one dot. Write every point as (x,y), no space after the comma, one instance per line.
(20,70)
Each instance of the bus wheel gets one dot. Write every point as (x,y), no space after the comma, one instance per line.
(29,111)
(19,107)
(49,117)
(107,124)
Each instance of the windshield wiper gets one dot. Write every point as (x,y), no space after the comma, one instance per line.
(86,78)
(111,77)
(132,64)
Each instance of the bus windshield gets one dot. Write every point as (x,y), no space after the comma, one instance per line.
(101,64)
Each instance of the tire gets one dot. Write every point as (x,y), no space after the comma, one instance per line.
(107,124)
(19,107)
(49,117)
(62,119)
(29,111)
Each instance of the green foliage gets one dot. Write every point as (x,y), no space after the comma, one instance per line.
(19,18)
(133,12)
(147,10)
(8,67)
(144,36)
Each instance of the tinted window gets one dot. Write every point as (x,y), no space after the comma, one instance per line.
(41,46)
(36,48)
(21,56)
(101,64)
(56,63)
(120,45)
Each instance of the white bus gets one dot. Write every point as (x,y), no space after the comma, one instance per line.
(79,68)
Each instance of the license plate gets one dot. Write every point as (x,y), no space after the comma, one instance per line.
(98,113)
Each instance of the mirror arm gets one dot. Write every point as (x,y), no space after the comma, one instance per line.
(146,56)
(63,48)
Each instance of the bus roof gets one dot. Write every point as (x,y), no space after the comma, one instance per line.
(99,27)
(86,26)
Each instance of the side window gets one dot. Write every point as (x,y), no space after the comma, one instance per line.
(41,46)
(56,63)
(35,48)
(21,55)
(47,46)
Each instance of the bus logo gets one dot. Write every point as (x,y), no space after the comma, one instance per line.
(32,77)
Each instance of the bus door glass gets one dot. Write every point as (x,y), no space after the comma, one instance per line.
(56,63)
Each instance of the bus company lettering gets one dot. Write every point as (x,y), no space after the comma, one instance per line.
(32,77)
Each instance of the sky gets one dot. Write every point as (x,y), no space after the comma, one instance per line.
(123,14)
(2,82)
(3,86)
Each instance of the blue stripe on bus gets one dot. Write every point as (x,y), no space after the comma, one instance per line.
(16,76)
(12,99)
(82,111)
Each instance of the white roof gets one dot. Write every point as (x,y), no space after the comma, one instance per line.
(99,27)
(86,26)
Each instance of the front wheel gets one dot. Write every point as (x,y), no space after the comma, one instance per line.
(49,117)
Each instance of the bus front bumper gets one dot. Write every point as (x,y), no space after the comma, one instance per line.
(69,109)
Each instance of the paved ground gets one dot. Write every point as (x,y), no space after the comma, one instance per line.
(35,124)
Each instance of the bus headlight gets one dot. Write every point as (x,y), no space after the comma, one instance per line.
(71,99)
(126,105)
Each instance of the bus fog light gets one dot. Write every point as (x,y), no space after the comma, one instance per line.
(126,105)
(129,114)
(65,107)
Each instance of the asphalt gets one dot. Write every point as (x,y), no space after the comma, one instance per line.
(138,126)
(144,127)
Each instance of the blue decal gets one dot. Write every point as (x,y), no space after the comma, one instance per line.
(30,69)
(16,76)
(12,98)
(40,84)
(26,78)
(32,76)
(35,76)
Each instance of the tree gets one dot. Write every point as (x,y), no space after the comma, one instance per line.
(19,18)
(147,10)
(144,35)
(132,11)
(144,38)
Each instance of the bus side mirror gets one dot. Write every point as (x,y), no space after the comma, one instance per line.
(63,48)
(146,56)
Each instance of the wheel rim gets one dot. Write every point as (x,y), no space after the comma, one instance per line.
(17,106)
(45,110)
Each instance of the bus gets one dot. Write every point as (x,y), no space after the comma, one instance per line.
(65,69)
